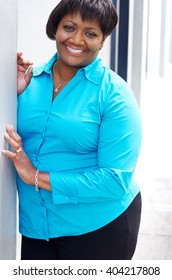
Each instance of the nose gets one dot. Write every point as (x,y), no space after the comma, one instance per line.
(77,38)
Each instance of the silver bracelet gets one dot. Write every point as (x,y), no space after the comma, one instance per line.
(36,180)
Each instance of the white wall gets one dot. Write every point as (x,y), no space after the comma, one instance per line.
(8,48)
(165,38)
(32,39)
(137,45)
(154,38)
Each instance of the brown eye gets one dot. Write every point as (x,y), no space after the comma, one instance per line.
(69,28)
(90,34)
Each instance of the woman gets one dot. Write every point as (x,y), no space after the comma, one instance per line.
(77,144)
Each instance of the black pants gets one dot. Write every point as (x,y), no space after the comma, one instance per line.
(115,241)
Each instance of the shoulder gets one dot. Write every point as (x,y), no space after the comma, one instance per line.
(116,95)
(116,89)
(114,82)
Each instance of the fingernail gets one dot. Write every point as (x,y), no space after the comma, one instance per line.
(9,126)
(29,69)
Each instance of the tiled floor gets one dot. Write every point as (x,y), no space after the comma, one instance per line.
(154,172)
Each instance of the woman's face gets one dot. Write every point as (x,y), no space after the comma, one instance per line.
(78,42)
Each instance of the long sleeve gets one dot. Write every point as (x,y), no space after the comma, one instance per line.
(88,139)
(118,150)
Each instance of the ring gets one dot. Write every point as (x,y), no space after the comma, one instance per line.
(19,150)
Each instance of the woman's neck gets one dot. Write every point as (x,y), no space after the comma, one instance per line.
(63,71)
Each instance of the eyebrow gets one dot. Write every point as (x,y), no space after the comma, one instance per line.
(87,27)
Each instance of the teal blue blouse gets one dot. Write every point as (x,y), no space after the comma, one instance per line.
(88,139)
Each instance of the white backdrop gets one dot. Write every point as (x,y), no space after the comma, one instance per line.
(8,48)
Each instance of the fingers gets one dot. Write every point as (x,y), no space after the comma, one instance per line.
(13,138)
(19,54)
(9,154)
(12,142)
(22,61)
(23,165)
(24,72)
(29,74)
(12,132)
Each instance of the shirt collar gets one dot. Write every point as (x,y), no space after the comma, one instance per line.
(92,71)
(45,67)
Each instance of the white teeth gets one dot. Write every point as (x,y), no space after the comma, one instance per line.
(75,51)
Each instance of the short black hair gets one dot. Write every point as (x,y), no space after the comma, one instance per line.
(102,10)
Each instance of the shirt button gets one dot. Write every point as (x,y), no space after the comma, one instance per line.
(66,198)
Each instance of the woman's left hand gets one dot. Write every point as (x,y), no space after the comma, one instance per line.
(24,72)
(23,165)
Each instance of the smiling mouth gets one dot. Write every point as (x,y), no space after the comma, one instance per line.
(74,51)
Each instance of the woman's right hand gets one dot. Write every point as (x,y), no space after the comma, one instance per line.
(24,72)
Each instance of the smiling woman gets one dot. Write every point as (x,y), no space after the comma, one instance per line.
(89,10)
(78,42)
(75,164)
